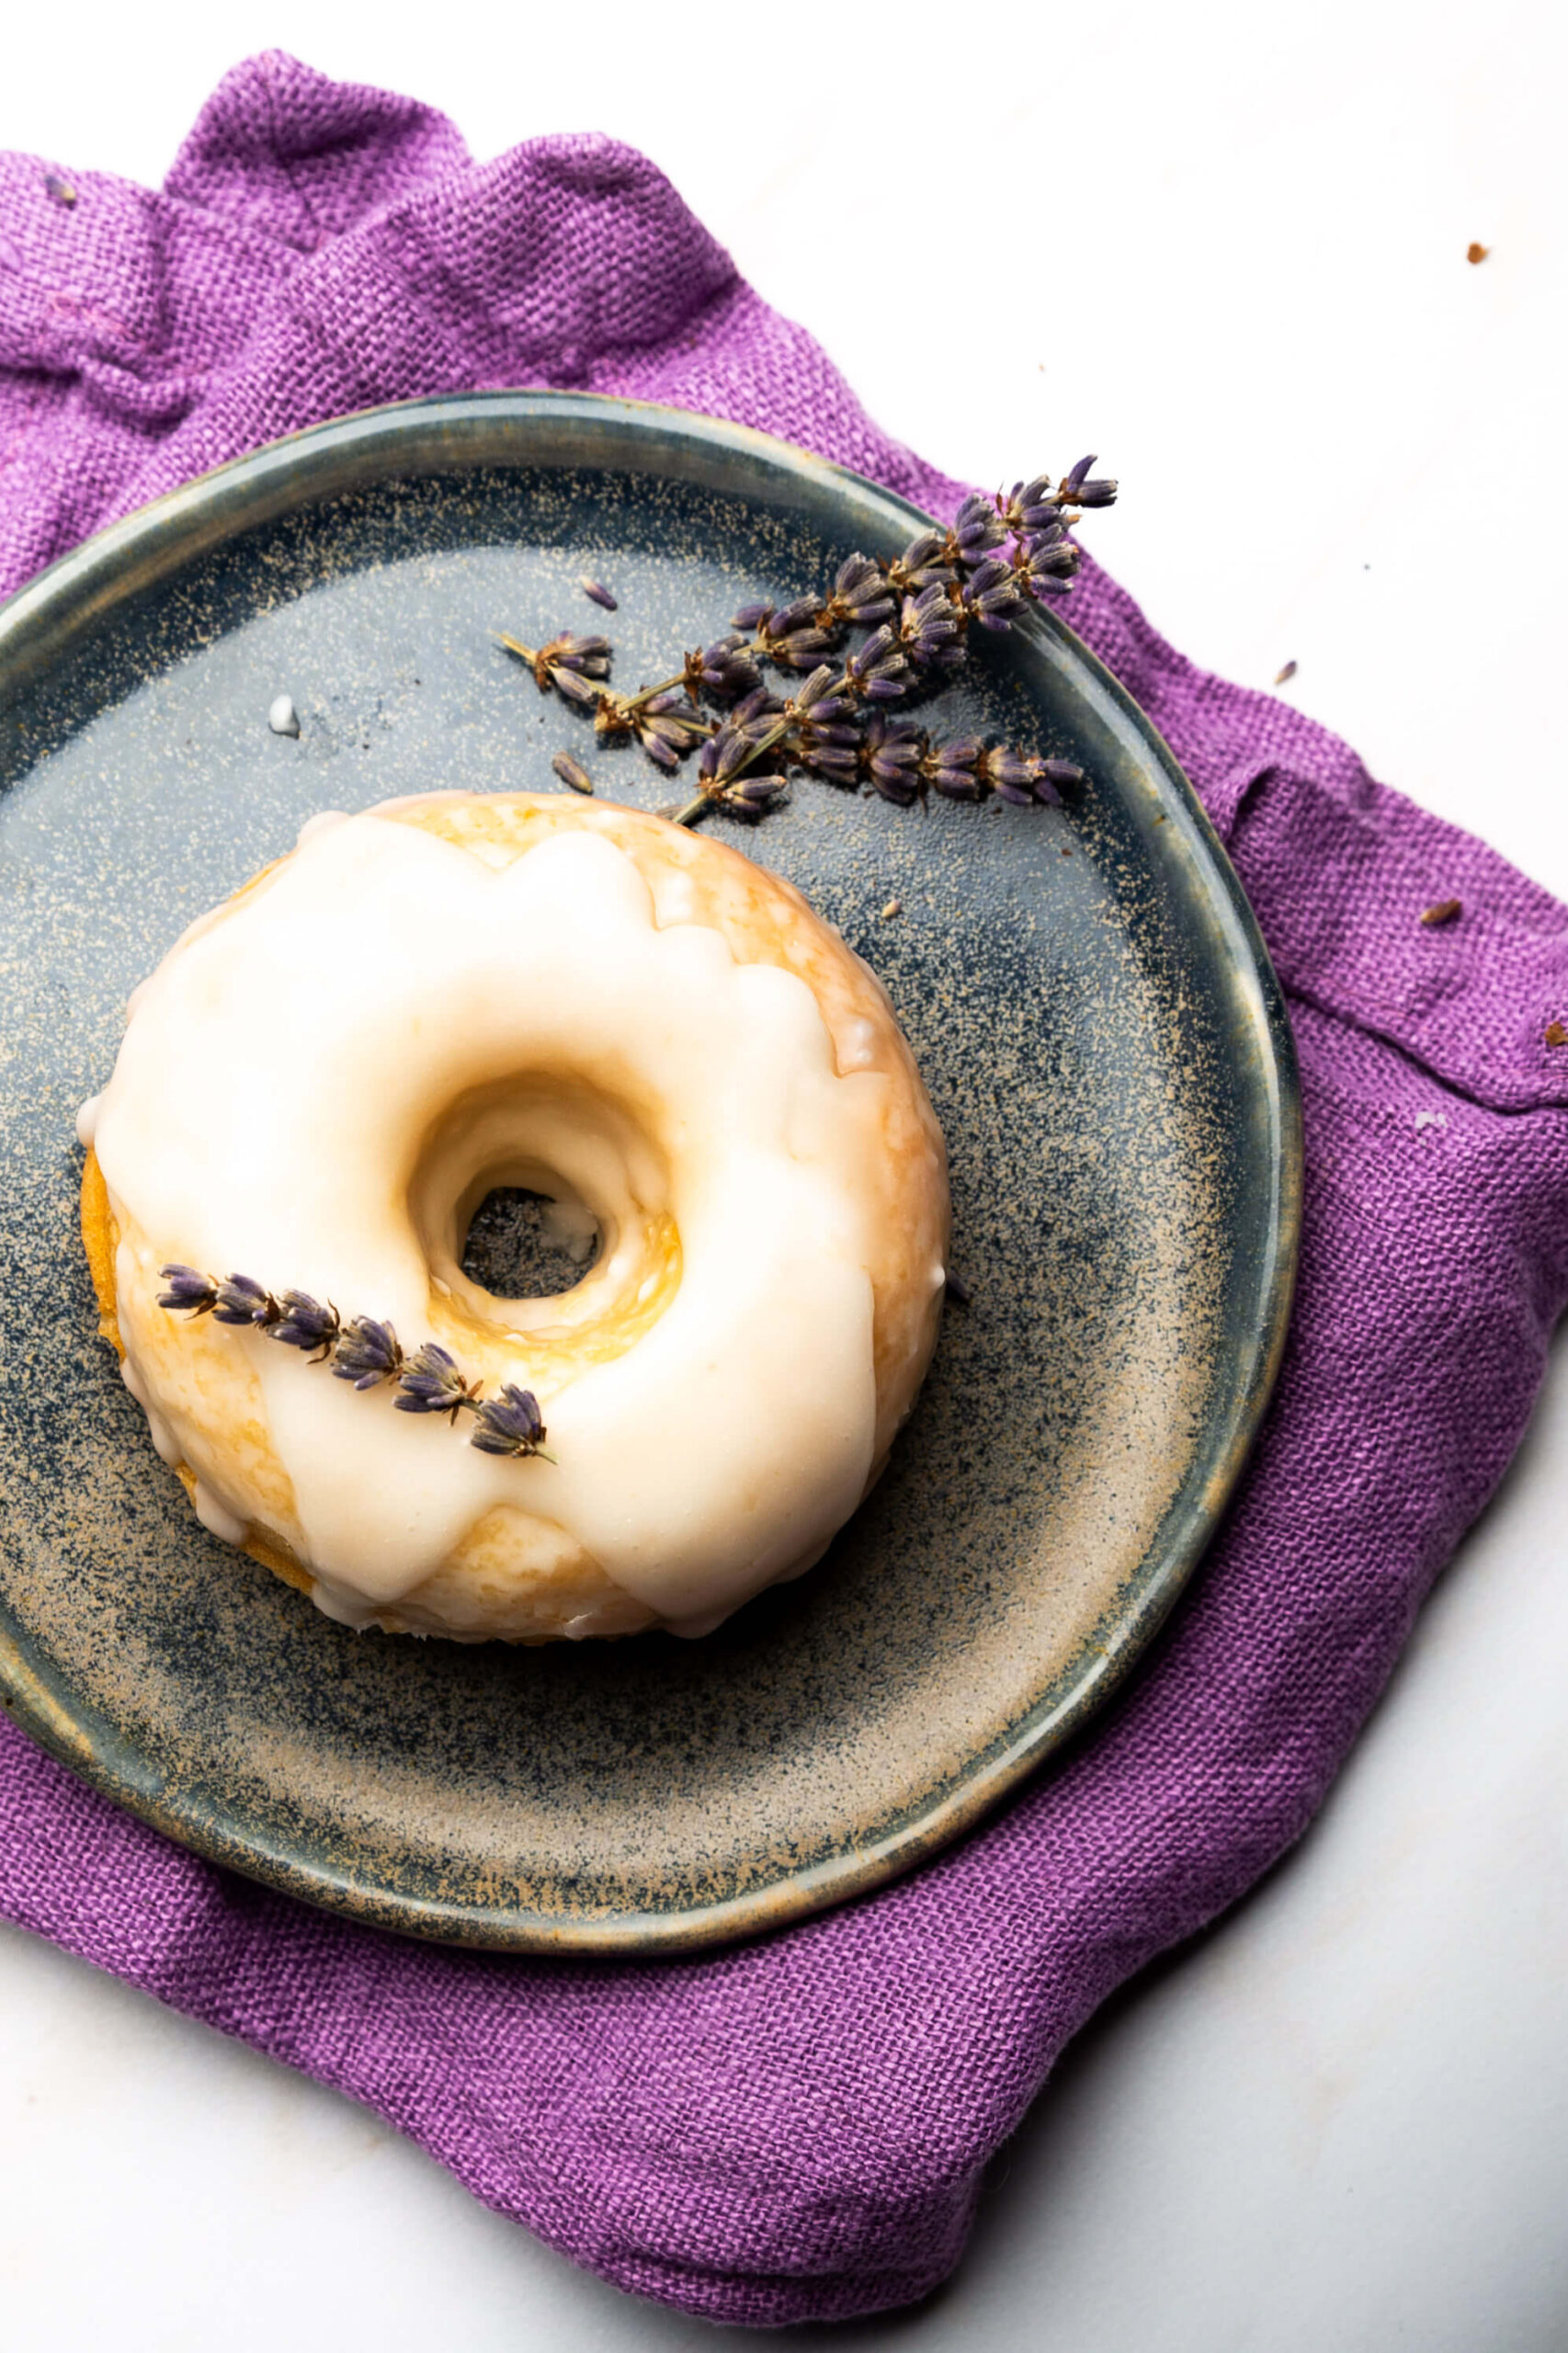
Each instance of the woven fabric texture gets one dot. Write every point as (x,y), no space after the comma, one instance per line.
(796,2129)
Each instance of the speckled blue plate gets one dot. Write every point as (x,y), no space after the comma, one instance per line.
(1102,1037)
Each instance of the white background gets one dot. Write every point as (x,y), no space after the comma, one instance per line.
(1225,245)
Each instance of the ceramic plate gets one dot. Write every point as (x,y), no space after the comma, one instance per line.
(1097,1022)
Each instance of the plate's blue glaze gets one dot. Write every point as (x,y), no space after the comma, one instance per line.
(1102,1037)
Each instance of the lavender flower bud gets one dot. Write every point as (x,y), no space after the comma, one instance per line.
(1052,775)
(509,1424)
(571,772)
(1031,505)
(722,754)
(954,767)
(1045,563)
(819,701)
(599,592)
(977,529)
(860,598)
(924,561)
(793,640)
(430,1383)
(305,1323)
(1079,490)
(366,1352)
(832,753)
(189,1288)
(751,799)
(991,595)
(240,1301)
(723,671)
(891,755)
(667,730)
(752,617)
(754,708)
(928,625)
(1012,774)
(588,655)
(878,669)
(575,689)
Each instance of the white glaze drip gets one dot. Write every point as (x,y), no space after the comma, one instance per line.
(165,1445)
(857,1046)
(694,1465)
(216,1516)
(88,1121)
(322,823)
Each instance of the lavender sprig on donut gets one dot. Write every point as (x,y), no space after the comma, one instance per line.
(998,556)
(365,1352)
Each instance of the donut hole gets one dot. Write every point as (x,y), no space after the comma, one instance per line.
(525,1244)
(542,1208)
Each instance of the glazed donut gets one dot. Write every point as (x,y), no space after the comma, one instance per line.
(448,994)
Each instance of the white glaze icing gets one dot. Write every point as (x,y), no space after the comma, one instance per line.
(88,1121)
(696,1465)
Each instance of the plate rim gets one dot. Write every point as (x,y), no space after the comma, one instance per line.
(44,619)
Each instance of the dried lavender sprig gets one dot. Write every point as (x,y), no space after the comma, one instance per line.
(947,579)
(995,556)
(365,1352)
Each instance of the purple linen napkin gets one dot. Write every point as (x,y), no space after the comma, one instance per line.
(796,2130)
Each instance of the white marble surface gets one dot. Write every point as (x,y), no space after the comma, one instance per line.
(1226,247)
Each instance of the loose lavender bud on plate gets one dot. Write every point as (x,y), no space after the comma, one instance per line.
(599,592)
(571,772)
